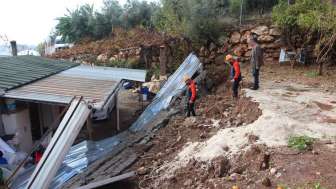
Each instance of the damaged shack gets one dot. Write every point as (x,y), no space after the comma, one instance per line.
(36,91)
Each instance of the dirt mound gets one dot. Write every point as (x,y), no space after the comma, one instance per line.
(120,39)
(217,111)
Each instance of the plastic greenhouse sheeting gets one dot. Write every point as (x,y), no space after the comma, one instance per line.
(83,154)
(172,87)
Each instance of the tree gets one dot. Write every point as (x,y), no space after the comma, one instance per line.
(85,22)
(41,48)
(77,24)
(112,11)
(138,13)
(315,18)
(196,19)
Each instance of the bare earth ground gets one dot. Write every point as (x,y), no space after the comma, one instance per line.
(238,144)
(244,143)
(129,109)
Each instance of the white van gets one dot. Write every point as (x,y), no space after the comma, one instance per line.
(60,44)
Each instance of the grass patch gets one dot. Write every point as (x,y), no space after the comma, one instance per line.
(318,186)
(311,74)
(300,142)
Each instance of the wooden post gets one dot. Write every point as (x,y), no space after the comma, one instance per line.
(163,60)
(14,48)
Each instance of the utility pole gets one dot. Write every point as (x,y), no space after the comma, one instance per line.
(241,11)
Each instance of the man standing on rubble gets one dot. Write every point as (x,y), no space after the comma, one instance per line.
(257,60)
(191,95)
(235,74)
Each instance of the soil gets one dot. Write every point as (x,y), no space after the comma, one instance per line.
(121,39)
(258,166)
(129,109)
(214,111)
(254,164)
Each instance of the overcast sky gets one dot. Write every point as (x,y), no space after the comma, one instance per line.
(31,21)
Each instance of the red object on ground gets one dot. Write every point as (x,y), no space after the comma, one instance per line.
(37,157)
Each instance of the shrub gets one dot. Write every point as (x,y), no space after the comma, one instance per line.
(85,22)
(300,142)
(315,18)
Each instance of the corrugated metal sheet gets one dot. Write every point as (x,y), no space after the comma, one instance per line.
(99,72)
(60,88)
(95,84)
(20,70)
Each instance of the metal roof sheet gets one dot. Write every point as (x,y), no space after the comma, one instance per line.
(96,84)
(61,89)
(16,71)
(99,72)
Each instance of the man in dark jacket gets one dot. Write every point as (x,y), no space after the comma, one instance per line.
(191,95)
(235,74)
(257,60)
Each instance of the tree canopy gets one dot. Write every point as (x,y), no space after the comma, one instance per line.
(315,18)
(196,19)
(85,21)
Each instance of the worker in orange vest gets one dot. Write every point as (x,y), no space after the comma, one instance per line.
(191,95)
(235,74)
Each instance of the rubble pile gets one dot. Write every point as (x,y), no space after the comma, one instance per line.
(216,112)
(120,39)
(137,46)
(268,37)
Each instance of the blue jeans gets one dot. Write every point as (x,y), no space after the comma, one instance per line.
(256,78)
(235,87)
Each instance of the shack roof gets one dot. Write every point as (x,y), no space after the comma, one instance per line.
(16,71)
(95,84)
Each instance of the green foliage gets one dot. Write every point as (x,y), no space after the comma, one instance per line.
(311,74)
(196,19)
(77,24)
(199,19)
(318,186)
(235,7)
(250,6)
(85,22)
(300,142)
(315,18)
(139,13)
(41,48)
(303,13)
(169,18)
(130,63)
(314,15)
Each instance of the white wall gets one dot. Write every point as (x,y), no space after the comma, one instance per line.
(18,123)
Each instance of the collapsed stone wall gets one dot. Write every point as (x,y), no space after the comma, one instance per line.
(162,56)
(268,37)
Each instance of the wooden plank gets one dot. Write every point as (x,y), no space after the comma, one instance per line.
(108,181)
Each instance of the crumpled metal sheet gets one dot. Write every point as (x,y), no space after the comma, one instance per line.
(78,158)
(172,87)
